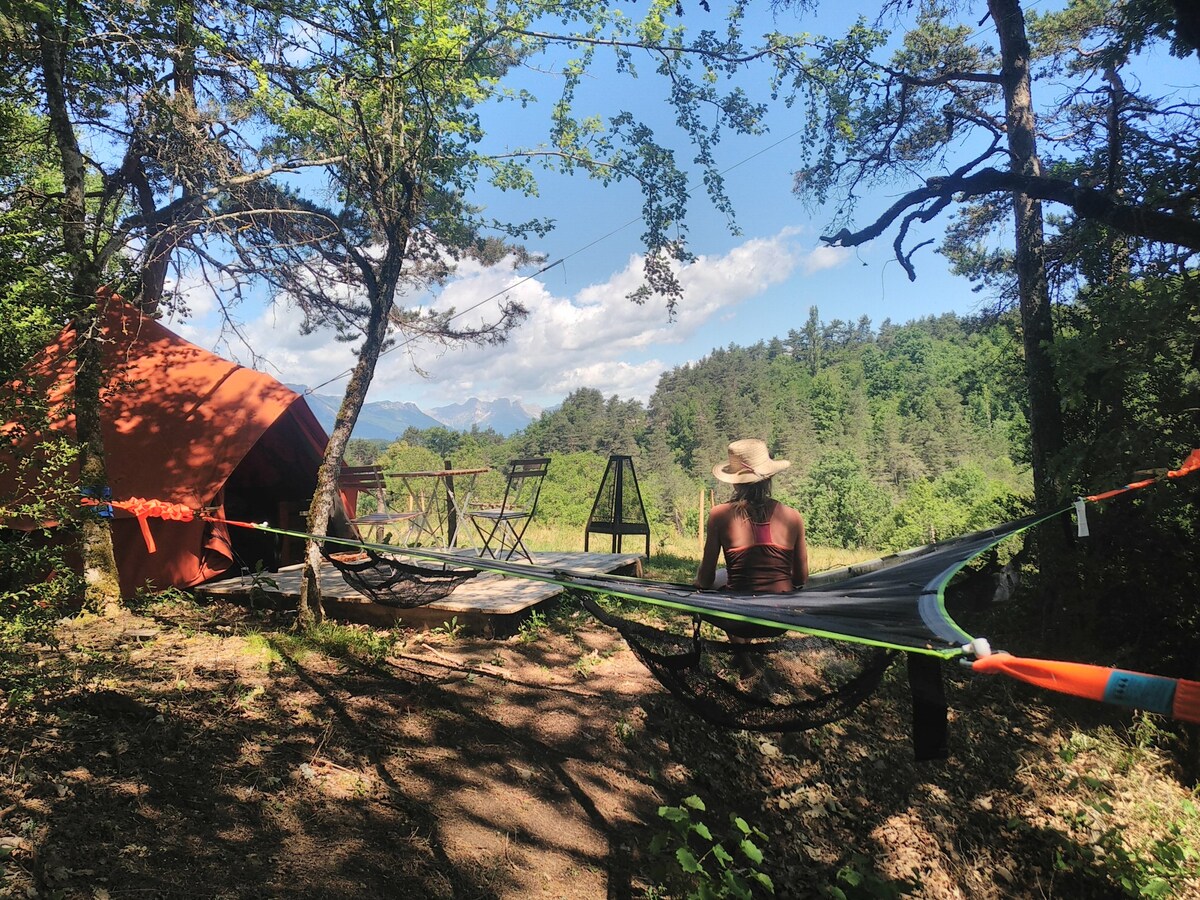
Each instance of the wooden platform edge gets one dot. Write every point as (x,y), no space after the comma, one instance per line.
(346,605)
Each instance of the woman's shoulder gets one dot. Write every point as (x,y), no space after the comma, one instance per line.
(786,512)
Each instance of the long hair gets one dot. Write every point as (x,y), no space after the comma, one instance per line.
(753,500)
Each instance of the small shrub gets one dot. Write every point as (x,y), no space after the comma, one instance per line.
(857,880)
(263,588)
(1092,844)
(584,666)
(449,629)
(531,629)
(625,730)
(1153,871)
(149,597)
(369,645)
(264,649)
(698,864)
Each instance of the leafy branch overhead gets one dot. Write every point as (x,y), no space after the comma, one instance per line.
(935,107)
(1087,203)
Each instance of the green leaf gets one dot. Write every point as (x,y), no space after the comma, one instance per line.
(658,843)
(673,813)
(695,803)
(751,851)
(701,829)
(736,886)
(740,823)
(723,856)
(1156,887)
(765,880)
(851,876)
(688,861)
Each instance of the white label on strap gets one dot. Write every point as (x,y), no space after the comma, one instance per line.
(1081,517)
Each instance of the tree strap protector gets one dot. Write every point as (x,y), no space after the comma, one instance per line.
(930,713)
(1173,697)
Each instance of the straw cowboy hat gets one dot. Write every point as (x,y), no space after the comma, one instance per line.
(749,461)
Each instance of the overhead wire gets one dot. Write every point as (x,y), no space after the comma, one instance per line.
(558,262)
(598,240)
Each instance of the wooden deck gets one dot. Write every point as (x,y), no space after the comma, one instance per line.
(492,605)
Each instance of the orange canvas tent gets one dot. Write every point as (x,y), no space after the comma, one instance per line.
(183,425)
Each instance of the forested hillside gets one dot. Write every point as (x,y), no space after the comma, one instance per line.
(897,435)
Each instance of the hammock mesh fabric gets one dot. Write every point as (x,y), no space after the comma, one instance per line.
(791,684)
(392,583)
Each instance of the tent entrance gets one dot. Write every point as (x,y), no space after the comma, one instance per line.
(275,482)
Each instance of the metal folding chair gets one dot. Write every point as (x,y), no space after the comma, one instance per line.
(355,480)
(502,527)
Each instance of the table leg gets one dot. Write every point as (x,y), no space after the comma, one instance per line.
(458,504)
(451,512)
(416,502)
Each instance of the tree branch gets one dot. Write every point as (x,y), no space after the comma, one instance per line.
(941,78)
(1138,221)
(173,211)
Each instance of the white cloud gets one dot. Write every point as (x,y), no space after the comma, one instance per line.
(825,257)
(272,343)
(596,338)
(197,294)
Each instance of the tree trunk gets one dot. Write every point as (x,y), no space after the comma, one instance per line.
(99,562)
(311,610)
(168,236)
(1045,409)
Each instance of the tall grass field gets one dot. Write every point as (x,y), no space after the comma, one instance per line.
(673,557)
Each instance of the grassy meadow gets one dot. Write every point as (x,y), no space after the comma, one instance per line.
(673,557)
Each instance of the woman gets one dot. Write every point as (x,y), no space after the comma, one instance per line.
(762,540)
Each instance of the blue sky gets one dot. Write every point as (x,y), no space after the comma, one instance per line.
(581,332)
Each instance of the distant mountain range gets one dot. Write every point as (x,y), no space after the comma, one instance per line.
(387,419)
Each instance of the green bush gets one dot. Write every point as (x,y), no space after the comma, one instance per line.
(38,582)
(841,505)
(957,502)
(701,865)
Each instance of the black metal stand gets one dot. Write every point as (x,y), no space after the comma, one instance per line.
(611,513)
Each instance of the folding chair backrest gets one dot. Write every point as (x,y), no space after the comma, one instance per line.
(354,480)
(502,528)
(524,486)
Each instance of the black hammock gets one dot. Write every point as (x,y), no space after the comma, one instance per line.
(896,602)
(701,674)
(392,583)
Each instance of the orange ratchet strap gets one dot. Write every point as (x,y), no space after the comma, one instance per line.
(143,509)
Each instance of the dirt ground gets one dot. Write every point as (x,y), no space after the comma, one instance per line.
(196,752)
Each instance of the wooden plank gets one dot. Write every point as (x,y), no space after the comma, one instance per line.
(487,604)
